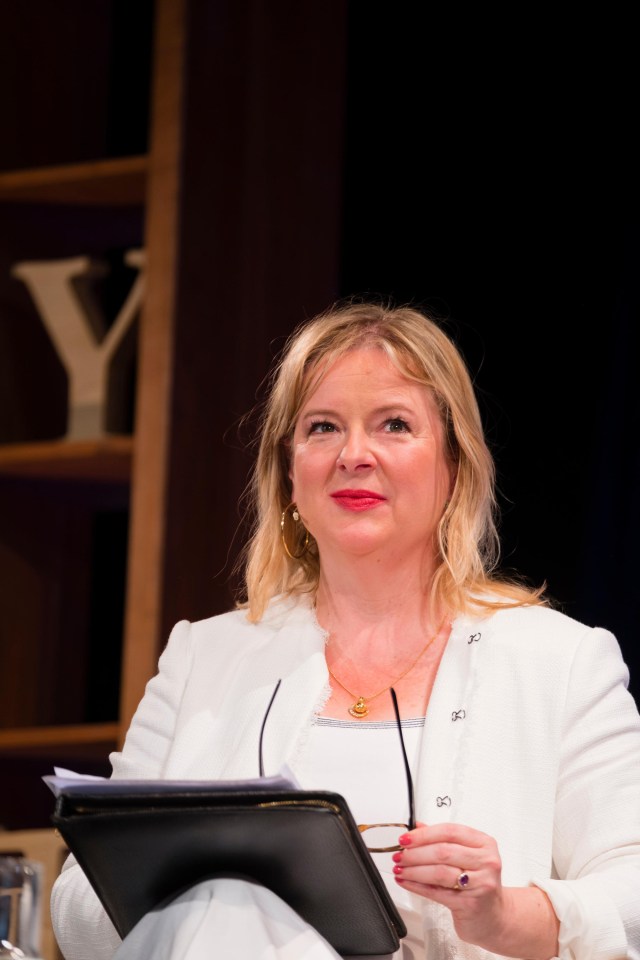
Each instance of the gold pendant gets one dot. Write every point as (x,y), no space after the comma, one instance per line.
(359,709)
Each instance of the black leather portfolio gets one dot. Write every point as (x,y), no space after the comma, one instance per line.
(141,843)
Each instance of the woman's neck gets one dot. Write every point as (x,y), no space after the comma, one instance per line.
(356,598)
(380,634)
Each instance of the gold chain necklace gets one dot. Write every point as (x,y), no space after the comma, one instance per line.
(359,708)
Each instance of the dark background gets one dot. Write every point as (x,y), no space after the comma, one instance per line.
(491,175)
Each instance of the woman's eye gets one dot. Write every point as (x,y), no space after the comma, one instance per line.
(397,425)
(321,426)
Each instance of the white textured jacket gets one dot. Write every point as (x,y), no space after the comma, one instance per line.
(531,737)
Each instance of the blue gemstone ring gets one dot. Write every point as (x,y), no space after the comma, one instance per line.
(462,881)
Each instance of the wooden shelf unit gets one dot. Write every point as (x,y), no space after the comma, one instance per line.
(117,182)
(108,459)
(63,470)
(45,738)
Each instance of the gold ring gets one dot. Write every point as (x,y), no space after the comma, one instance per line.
(462,882)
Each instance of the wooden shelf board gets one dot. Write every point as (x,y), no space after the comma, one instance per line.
(106,459)
(119,182)
(86,733)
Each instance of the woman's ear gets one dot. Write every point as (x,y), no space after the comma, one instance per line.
(286,448)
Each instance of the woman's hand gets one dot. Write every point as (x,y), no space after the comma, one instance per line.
(435,858)
(461,868)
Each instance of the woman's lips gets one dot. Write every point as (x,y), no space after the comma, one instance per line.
(358,499)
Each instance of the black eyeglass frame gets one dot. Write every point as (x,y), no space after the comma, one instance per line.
(362,827)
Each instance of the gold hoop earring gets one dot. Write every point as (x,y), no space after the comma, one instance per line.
(293,510)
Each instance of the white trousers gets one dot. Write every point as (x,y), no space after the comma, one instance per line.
(225,919)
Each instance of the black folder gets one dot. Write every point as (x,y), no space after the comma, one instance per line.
(141,843)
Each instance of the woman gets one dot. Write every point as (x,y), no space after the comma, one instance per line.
(372,566)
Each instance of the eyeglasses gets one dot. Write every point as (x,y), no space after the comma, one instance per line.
(379,833)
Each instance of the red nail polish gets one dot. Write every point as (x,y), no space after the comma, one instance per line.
(405,840)
(397,857)
(397,869)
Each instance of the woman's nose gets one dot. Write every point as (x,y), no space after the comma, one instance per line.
(356,452)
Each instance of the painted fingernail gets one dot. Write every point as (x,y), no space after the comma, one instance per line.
(405,840)
(397,857)
(397,869)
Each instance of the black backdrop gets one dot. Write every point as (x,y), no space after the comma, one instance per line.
(491,176)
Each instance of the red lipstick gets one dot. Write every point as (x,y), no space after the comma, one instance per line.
(357,500)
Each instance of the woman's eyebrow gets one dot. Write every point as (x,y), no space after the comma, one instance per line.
(401,406)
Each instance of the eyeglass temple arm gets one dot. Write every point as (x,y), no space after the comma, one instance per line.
(264,722)
(412,818)
(412,815)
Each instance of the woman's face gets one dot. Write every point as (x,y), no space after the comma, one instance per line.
(368,463)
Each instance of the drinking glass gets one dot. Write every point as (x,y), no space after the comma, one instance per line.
(20,908)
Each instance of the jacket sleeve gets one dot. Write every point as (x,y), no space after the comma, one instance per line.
(80,923)
(596,888)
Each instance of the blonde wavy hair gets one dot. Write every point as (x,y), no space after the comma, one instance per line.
(467,537)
